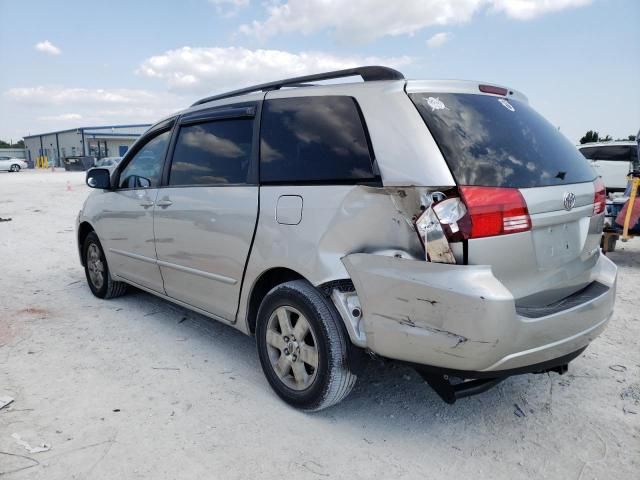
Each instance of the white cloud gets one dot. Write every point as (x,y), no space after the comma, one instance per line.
(439,39)
(45,108)
(54,95)
(205,70)
(361,20)
(63,117)
(528,9)
(229,8)
(47,47)
(366,20)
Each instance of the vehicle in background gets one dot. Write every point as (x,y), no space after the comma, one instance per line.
(108,162)
(78,163)
(443,224)
(613,161)
(10,164)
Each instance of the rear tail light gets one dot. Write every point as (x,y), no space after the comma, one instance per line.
(495,211)
(478,212)
(600,197)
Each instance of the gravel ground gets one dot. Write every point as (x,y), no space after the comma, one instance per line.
(138,388)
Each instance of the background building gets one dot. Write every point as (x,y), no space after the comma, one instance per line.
(110,141)
(12,152)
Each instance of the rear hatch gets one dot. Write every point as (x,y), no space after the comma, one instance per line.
(496,145)
(612,162)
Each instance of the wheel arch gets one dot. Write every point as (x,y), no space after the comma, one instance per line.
(264,283)
(84,229)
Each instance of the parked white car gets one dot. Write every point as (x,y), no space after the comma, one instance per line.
(10,164)
(612,161)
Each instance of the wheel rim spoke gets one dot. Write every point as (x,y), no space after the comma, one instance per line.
(309,355)
(300,374)
(283,366)
(301,329)
(275,340)
(284,321)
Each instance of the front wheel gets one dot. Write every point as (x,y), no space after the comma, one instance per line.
(15,168)
(302,346)
(97,270)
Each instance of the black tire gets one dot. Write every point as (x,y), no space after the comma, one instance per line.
(15,168)
(108,288)
(333,379)
(611,241)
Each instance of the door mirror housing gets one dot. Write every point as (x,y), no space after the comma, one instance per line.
(99,178)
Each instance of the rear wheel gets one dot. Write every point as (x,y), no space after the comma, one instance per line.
(302,347)
(97,270)
(15,168)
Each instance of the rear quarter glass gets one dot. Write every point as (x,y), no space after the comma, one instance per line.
(493,141)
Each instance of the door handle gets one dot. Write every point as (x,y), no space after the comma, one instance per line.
(146,204)
(164,203)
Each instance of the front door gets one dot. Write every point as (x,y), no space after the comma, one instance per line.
(127,221)
(205,217)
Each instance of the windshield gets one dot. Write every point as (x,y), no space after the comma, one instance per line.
(491,141)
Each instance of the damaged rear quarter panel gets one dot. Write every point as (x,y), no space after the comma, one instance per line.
(430,313)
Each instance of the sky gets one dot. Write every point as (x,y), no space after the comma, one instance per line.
(86,63)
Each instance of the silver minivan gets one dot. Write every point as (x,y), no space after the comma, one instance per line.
(442,224)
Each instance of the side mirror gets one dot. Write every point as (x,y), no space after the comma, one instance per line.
(99,178)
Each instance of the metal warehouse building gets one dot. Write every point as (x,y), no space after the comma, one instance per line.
(109,141)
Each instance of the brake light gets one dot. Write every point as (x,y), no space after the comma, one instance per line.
(493,89)
(600,197)
(495,211)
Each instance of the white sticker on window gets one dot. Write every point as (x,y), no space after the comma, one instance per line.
(436,104)
(506,104)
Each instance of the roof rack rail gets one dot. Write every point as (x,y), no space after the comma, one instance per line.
(368,74)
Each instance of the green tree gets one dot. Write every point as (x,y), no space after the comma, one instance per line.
(589,137)
(18,144)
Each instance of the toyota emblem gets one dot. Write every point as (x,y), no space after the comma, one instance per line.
(569,200)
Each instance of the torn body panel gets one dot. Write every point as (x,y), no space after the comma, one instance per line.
(462,317)
(334,221)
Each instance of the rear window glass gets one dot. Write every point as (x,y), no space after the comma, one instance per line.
(491,141)
(622,153)
(213,153)
(313,139)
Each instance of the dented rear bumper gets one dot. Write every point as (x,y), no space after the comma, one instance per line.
(461,317)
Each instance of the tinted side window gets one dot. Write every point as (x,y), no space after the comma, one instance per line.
(144,169)
(217,152)
(313,139)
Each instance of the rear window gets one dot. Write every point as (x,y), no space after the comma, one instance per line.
(620,153)
(491,141)
(314,140)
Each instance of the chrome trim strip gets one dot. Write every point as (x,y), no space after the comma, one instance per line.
(135,256)
(200,273)
(180,268)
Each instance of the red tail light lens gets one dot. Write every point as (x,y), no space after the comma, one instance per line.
(495,211)
(600,198)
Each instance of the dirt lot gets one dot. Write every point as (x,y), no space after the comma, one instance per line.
(139,388)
